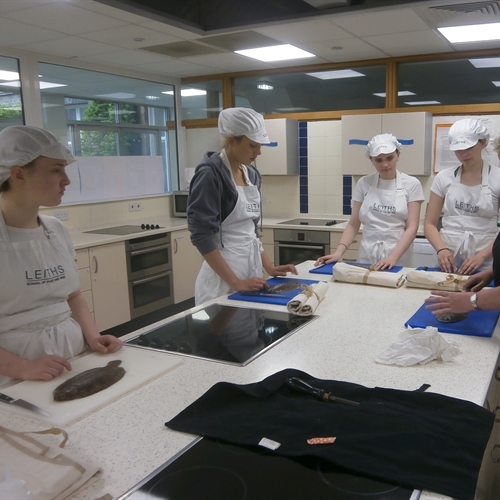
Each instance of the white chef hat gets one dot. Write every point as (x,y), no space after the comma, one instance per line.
(382,144)
(21,144)
(466,133)
(243,121)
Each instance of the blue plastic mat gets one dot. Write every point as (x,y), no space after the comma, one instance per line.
(439,270)
(477,323)
(328,268)
(280,299)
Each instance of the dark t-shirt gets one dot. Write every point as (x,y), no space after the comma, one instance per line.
(496,260)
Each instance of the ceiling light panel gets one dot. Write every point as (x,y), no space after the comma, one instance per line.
(275,53)
(336,74)
(490,62)
(471,33)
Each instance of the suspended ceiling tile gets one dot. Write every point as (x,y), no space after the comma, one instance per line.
(15,5)
(229,62)
(353,49)
(125,58)
(107,10)
(176,68)
(171,30)
(182,49)
(240,40)
(13,33)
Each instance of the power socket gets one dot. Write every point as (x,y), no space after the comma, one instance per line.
(61,214)
(135,207)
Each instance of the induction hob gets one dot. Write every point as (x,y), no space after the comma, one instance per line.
(232,335)
(124,230)
(312,222)
(209,469)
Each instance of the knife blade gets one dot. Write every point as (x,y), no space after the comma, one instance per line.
(364,266)
(24,404)
(264,294)
(299,385)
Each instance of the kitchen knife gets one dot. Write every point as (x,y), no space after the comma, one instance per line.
(300,385)
(24,404)
(368,267)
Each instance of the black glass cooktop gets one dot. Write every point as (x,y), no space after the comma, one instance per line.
(233,335)
(214,470)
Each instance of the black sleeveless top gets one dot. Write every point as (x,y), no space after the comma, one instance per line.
(496,260)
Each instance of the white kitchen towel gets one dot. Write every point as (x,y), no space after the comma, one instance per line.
(353,274)
(419,346)
(435,280)
(306,302)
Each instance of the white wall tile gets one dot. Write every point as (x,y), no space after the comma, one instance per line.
(317,205)
(316,166)
(316,146)
(333,204)
(333,165)
(334,185)
(315,129)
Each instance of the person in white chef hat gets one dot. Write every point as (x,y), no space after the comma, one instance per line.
(468,197)
(224,208)
(387,203)
(43,317)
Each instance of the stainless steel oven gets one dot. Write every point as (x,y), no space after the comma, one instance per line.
(149,268)
(292,246)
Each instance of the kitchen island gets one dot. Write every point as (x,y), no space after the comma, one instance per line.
(129,440)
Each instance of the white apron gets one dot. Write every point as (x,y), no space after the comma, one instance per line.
(470,219)
(241,247)
(37,278)
(383,214)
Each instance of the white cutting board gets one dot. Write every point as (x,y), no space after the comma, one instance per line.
(141,366)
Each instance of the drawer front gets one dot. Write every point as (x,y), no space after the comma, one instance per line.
(82,258)
(335,239)
(350,255)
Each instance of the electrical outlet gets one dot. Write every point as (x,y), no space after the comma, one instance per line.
(62,214)
(134,207)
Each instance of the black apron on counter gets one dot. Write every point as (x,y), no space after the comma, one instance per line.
(417,439)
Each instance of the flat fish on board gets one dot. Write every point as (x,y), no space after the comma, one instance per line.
(89,382)
(284,287)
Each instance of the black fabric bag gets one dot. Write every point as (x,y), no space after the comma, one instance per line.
(417,439)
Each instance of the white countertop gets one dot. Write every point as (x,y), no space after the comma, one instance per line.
(356,323)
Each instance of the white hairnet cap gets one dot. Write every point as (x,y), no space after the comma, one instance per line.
(382,144)
(21,144)
(466,133)
(243,121)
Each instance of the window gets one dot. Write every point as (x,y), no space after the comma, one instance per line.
(11,103)
(108,121)
(201,99)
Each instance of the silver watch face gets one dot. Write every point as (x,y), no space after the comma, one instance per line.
(473,300)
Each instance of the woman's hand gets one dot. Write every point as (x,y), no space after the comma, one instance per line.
(478,281)
(441,302)
(471,264)
(250,285)
(446,261)
(282,270)
(44,368)
(328,259)
(105,344)
(387,263)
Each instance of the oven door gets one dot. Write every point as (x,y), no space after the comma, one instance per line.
(150,293)
(295,253)
(147,261)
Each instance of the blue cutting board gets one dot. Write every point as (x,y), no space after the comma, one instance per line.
(439,270)
(328,268)
(281,300)
(477,323)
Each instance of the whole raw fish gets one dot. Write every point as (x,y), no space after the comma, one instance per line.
(89,382)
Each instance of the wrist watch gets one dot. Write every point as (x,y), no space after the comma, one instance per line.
(473,301)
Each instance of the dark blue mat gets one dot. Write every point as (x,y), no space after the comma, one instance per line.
(328,268)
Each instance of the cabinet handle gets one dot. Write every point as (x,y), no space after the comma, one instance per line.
(176,245)
(96,265)
(497,416)
(497,374)
(495,453)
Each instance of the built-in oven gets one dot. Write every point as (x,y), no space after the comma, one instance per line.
(149,268)
(293,246)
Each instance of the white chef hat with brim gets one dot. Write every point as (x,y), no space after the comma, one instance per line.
(244,121)
(382,144)
(21,144)
(466,133)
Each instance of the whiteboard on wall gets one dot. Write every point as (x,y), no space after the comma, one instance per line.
(97,178)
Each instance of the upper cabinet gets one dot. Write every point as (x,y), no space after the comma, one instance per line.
(414,131)
(284,158)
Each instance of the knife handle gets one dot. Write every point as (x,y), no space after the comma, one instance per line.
(6,399)
(300,385)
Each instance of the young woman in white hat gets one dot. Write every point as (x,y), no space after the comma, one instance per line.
(387,203)
(468,197)
(43,317)
(224,209)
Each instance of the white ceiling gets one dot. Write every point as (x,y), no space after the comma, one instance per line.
(88,31)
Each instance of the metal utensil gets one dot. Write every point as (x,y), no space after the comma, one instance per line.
(24,404)
(368,267)
(300,385)
(264,294)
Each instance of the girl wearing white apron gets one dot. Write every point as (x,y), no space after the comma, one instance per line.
(468,196)
(387,203)
(42,313)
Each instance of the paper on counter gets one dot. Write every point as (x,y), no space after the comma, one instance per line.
(353,274)
(435,280)
(419,346)
(306,302)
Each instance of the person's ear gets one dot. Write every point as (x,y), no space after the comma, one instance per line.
(17,174)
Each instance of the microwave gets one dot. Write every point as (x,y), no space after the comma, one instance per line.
(179,201)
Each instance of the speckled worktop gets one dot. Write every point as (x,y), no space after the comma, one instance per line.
(356,322)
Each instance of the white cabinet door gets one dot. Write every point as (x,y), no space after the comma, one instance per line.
(108,271)
(186,263)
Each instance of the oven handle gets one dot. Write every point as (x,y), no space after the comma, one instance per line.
(150,278)
(149,249)
(307,247)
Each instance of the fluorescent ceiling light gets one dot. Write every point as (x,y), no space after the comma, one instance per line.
(187,92)
(152,97)
(265,86)
(497,84)
(49,85)
(471,33)
(400,93)
(275,53)
(9,75)
(117,95)
(489,62)
(422,103)
(336,74)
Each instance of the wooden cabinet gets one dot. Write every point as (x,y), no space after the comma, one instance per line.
(186,263)
(284,158)
(83,265)
(267,239)
(108,273)
(414,130)
(351,254)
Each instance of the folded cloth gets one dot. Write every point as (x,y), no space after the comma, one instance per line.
(419,346)
(353,274)
(306,302)
(435,280)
